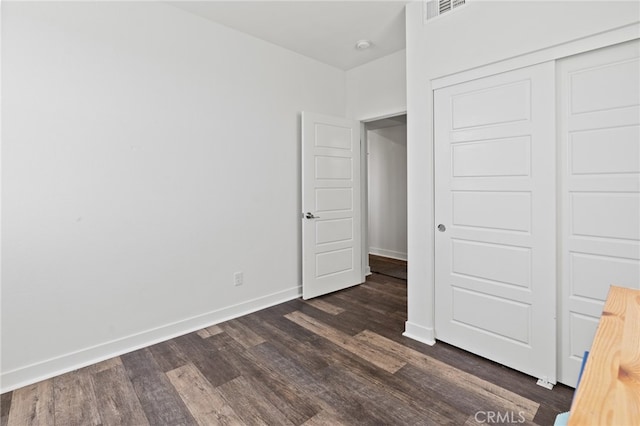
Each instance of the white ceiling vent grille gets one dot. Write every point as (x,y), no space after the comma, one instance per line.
(435,8)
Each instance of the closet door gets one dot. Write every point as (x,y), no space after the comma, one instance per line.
(496,215)
(599,97)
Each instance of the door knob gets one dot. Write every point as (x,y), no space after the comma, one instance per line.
(310,215)
(442,228)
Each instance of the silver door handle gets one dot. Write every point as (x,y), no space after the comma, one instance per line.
(442,228)
(310,215)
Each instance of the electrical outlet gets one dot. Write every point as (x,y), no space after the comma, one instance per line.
(237,279)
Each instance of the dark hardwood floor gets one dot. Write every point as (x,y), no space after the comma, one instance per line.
(337,359)
(387,266)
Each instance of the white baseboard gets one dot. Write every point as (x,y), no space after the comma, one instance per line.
(23,376)
(421,334)
(388,253)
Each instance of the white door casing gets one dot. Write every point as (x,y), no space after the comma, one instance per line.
(331,204)
(495,264)
(599,104)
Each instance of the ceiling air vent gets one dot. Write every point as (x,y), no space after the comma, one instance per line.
(434,8)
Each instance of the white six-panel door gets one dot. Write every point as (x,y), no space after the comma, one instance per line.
(600,215)
(496,201)
(331,219)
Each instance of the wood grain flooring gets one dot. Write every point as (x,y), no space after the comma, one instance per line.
(386,266)
(338,359)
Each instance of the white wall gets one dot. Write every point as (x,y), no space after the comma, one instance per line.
(374,90)
(493,31)
(148,154)
(378,88)
(387,189)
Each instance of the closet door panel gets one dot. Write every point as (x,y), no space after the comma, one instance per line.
(495,200)
(599,128)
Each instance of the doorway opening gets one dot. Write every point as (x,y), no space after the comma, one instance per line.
(386,165)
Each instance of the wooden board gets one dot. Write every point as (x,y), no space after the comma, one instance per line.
(609,391)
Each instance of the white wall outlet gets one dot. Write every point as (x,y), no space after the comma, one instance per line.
(238,279)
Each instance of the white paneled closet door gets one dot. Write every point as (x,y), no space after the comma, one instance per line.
(495,160)
(599,95)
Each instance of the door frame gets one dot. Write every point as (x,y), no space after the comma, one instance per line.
(364,178)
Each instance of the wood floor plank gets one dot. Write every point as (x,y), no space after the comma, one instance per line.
(116,398)
(350,328)
(214,329)
(203,333)
(283,308)
(240,333)
(75,400)
(203,353)
(280,328)
(519,383)
(104,365)
(366,321)
(386,261)
(370,301)
(388,267)
(325,418)
(210,331)
(299,344)
(398,399)
(5,406)
(296,387)
(383,290)
(366,308)
(169,355)
(268,376)
(387,363)
(380,406)
(32,405)
(161,403)
(311,382)
(206,404)
(483,393)
(324,306)
(546,415)
(219,343)
(436,410)
(338,359)
(252,407)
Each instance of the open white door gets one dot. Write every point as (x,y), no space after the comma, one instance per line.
(331,211)
(496,213)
